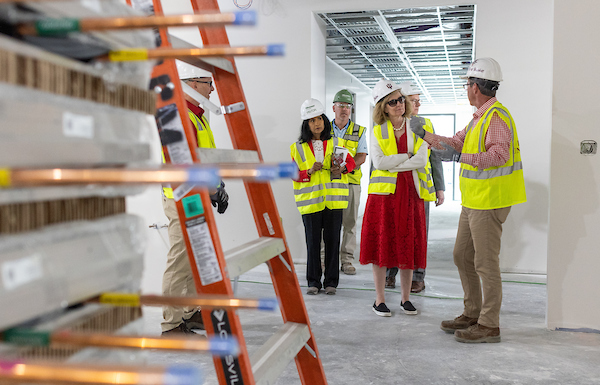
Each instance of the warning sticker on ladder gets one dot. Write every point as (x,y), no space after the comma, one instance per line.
(204,251)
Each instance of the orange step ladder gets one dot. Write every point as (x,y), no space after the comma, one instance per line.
(211,267)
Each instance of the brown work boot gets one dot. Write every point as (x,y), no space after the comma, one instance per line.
(390,282)
(417,286)
(460,322)
(477,333)
(348,269)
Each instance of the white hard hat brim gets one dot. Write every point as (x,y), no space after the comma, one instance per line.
(187,71)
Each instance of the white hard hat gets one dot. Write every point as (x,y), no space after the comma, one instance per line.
(311,108)
(383,88)
(188,71)
(410,88)
(484,68)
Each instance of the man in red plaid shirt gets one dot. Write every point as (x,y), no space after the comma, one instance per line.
(491,181)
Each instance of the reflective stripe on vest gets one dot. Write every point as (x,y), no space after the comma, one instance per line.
(205,140)
(426,185)
(351,138)
(494,187)
(320,192)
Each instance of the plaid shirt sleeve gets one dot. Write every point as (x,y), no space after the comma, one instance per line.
(456,141)
(497,146)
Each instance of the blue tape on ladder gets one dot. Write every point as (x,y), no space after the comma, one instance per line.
(224,346)
(266,173)
(275,50)
(245,18)
(269,304)
(203,176)
(288,170)
(182,375)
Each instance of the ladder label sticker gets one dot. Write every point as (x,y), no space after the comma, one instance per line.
(269,224)
(168,118)
(204,251)
(182,191)
(192,206)
(78,126)
(21,271)
(231,365)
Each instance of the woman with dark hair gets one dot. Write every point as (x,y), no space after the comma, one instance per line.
(321,193)
(393,229)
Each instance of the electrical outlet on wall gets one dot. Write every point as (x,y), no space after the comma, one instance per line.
(588,147)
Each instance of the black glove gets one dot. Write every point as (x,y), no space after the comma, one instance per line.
(220,198)
(449,154)
(416,125)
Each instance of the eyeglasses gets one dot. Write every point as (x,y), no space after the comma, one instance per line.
(200,81)
(343,105)
(417,101)
(469,84)
(393,102)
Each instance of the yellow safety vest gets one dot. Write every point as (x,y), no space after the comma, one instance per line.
(494,187)
(428,194)
(351,137)
(383,181)
(205,140)
(321,191)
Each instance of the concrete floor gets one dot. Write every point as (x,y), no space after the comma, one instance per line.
(358,347)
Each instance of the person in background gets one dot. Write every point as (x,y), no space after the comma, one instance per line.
(491,182)
(177,278)
(321,193)
(393,229)
(356,142)
(434,167)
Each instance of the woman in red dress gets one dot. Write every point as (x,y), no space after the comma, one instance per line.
(393,229)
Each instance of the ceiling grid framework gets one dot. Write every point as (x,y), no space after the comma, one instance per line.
(430,46)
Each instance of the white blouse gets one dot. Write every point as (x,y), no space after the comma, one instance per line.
(399,162)
(319,151)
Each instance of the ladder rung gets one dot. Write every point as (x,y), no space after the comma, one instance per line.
(215,155)
(218,62)
(249,255)
(273,357)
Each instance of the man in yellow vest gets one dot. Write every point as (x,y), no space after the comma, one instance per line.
(356,143)
(491,181)
(434,167)
(177,278)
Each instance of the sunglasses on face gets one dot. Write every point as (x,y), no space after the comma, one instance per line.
(393,102)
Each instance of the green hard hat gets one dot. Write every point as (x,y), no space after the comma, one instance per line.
(343,96)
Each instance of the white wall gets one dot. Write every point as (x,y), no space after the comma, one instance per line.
(517,33)
(573,257)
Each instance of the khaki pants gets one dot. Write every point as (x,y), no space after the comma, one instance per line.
(177,279)
(349,217)
(476,256)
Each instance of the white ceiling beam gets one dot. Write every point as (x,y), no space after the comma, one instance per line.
(439,15)
(393,40)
